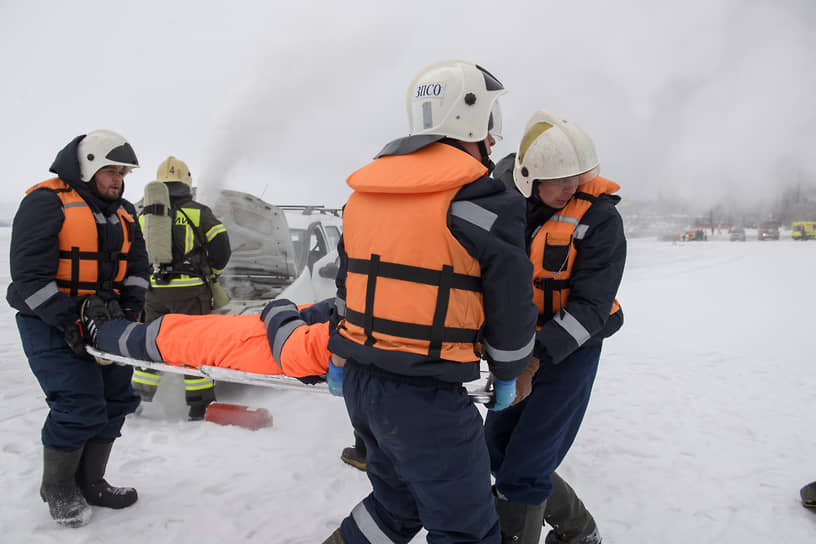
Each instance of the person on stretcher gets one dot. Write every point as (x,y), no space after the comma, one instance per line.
(282,340)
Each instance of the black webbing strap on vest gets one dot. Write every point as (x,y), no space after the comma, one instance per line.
(371,285)
(437,333)
(75,256)
(549,286)
(442,300)
(585,196)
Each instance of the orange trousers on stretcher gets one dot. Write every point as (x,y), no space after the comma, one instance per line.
(240,342)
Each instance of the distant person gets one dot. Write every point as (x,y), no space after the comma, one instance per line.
(200,252)
(432,275)
(577,247)
(74,236)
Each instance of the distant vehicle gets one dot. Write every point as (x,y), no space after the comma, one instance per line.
(277,251)
(768,230)
(315,232)
(803,230)
(737,234)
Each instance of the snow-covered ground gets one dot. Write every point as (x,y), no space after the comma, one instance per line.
(699,429)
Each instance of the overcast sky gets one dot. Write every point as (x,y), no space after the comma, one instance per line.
(284,100)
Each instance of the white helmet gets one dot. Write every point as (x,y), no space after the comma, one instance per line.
(173,169)
(102,148)
(552,149)
(457,99)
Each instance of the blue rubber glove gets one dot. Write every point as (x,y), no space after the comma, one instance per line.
(504,392)
(335,378)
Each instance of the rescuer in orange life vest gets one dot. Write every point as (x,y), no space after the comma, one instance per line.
(433,275)
(576,244)
(74,236)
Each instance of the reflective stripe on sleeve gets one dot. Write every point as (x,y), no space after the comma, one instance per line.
(215,231)
(573,327)
(368,526)
(151,338)
(581,231)
(123,339)
(136,281)
(281,335)
(275,310)
(473,213)
(42,294)
(508,355)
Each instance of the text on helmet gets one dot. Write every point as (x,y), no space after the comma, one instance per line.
(430,90)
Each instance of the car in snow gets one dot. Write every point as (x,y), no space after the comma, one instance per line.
(277,251)
(737,234)
(768,230)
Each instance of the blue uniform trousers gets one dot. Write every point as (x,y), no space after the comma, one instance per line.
(426,459)
(86,400)
(529,440)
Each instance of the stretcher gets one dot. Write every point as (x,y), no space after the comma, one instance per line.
(479,391)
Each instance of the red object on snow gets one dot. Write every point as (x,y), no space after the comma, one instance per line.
(237,414)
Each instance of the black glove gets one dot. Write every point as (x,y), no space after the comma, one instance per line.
(75,336)
(115,311)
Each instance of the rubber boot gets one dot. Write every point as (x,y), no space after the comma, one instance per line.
(59,488)
(519,523)
(197,399)
(334,538)
(90,476)
(356,454)
(571,521)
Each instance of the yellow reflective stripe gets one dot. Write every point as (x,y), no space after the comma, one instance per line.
(146,378)
(189,239)
(182,281)
(197,384)
(217,271)
(215,231)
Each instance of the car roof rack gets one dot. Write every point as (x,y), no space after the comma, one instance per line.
(312,209)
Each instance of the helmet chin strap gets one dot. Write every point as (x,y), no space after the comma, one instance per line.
(485,160)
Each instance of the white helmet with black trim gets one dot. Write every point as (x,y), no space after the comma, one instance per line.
(553,149)
(455,99)
(102,148)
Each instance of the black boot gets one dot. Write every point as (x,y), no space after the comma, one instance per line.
(91,477)
(197,400)
(59,488)
(356,454)
(571,521)
(519,523)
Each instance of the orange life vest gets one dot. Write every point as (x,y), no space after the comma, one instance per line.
(410,285)
(553,252)
(79,255)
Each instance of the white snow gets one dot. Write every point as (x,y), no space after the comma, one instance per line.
(699,428)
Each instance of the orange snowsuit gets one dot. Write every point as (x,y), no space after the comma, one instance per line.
(239,342)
